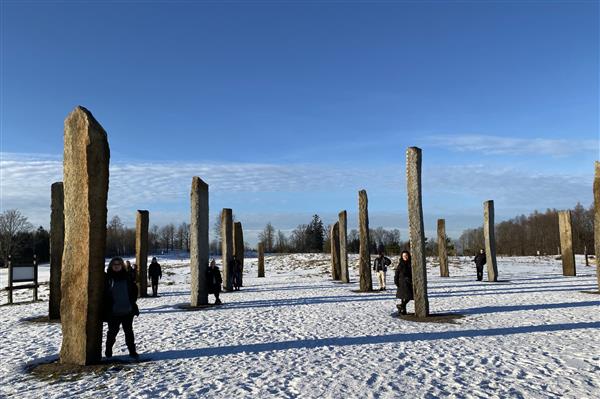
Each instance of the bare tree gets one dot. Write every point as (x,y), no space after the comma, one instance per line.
(12,223)
(267,237)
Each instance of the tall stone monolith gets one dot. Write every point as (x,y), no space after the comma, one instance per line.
(227,247)
(57,242)
(86,160)
(490,240)
(334,236)
(597,220)
(566,243)
(199,243)
(442,248)
(343,232)
(364,265)
(261,259)
(141,251)
(416,231)
(238,246)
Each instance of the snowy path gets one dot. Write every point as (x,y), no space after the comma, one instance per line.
(298,334)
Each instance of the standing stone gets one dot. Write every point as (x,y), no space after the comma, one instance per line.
(141,252)
(490,240)
(442,248)
(57,242)
(199,243)
(261,259)
(334,235)
(566,243)
(227,247)
(86,159)
(343,232)
(416,231)
(364,266)
(597,220)
(238,246)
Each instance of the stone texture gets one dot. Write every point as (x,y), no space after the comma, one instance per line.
(597,220)
(364,265)
(199,243)
(57,242)
(141,252)
(566,243)
(261,259)
(86,160)
(343,233)
(334,234)
(238,246)
(416,231)
(490,240)
(227,247)
(442,248)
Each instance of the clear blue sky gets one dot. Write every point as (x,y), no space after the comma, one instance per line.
(288,108)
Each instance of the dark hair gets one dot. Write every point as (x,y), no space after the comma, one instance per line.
(116,259)
(405,252)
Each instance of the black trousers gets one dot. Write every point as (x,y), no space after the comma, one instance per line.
(154,286)
(479,272)
(114,322)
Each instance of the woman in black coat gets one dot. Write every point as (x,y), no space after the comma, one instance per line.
(403,280)
(213,276)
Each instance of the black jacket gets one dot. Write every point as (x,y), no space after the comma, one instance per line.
(154,270)
(381,264)
(214,274)
(403,280)
(480,260)
(132,291)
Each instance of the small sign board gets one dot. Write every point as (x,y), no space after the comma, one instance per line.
(22,273)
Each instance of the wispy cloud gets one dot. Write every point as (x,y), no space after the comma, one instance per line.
(512,145)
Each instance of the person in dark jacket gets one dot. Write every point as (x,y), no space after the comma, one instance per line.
(480,260)
(214,280)
(154,273)
(131,269)
(380,265)
(237,273)
(120,296)
(403,280)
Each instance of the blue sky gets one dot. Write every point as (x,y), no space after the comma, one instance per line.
(289,108)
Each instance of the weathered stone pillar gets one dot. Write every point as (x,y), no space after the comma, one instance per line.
(238,246)
(227,247)
(442,248)
(597,220)
(199,243)
(416,231)
(334,235)
(86,159)
(343,233)
(566,243)
(261,259)
(141,252)
(490,240)
(57,242)
(364,266)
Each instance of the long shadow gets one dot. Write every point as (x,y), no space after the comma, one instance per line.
(362,340)
(513,281)
(517,308)
(288,288)
(508,290)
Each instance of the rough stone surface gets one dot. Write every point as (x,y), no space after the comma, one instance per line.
(227,247)
(490,240)
(199,243)
(238,245)
(57,242)
(566,243)
(442,248)
(86,160)
(597,220)
(343,232)
(261,259)
(416,231)
(141,251)
(364,266)
(334,234)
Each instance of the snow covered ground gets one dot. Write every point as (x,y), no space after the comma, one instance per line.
(296,333)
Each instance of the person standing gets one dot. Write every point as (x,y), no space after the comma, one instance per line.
(480,260)
(131,269)
(120,296)
(237,273)
(214,280)
(154,273)
(380,265)
(403,281)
